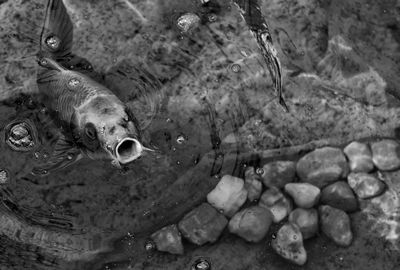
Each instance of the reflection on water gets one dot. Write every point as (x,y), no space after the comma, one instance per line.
(208,99)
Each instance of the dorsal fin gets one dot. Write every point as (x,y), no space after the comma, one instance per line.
(57,32)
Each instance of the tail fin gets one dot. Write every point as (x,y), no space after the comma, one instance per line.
(57,32)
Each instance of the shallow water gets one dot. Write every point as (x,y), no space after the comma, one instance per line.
(210,109)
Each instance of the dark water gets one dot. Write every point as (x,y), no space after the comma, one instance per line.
(203,90)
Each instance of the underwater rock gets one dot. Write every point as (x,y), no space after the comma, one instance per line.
(252,223)
(304,195)
(252,184)
(335,223)
(289,244)
(365,185)
(278,173)
(322,166)
(306,220)
(228,196)
(203,224)
(360,157)
(168,239)
(21,135)
(339,195)
(386,155)
(279,205)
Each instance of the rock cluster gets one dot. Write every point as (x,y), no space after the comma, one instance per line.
(317,191)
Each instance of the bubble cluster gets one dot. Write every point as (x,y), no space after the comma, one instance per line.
(188,22)
(235,68)
(149,246)
(74,82)
(201,264)
(53,42)
(21,135)
(4,177)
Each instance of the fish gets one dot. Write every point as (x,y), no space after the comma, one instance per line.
(252,15)
(91,116)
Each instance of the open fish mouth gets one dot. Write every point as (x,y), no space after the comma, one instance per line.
(127,150)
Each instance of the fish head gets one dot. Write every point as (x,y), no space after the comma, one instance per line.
(106,124)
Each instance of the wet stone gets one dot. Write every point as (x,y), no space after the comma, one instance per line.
(228,196)
(252,184)
(278,173)
(386,155)
(168,239)
(340,196)
(306,220)
(335,224)
(365,185)
(203,224)
(322,166)
(289,244)
(304,195)
(252,224)
(360,157)
(276,202)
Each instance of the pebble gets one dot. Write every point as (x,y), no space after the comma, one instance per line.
(252,184)
(335,223)
(187,22)
(289,244)
(306,220)
(228,196)
(278,173)
(386,155)
(304,195)
(203,224)
(252,224)
(360,157)
(340,196)
(168,239)
(323,166)
(366,185)
(279,205)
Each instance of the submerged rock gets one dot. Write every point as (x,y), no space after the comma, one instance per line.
(365,185)
(322,166)
(386,155)
(203,224)
(278,173)
(340,196)
(335,223)
(360,157)
(306,220)
(304,195)
(252,184)
(252,224)
(289,244)
(168,239)
(228,196)
(279,205)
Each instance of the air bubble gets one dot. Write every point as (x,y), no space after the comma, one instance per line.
(201,264)
(212,17)
(260,171)
(149,246)
(53,42)
(235,68)
(4,176)
(21,135)
(43,62)
(180,139)
(74,82)
(188,22)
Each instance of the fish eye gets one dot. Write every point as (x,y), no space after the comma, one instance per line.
(90,131)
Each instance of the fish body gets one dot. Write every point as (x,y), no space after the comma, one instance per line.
(91,115)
